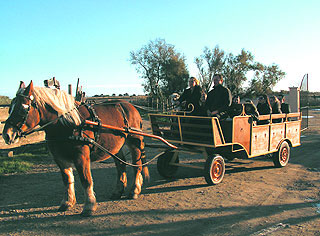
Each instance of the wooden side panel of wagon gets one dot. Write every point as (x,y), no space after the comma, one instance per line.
(277,134)
(242,131)
(196,131)
(293,132)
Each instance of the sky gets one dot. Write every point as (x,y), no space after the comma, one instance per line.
(92,40)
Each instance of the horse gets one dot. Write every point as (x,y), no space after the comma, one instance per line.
(63,120)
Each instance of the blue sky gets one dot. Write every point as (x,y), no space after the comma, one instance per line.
(91,40)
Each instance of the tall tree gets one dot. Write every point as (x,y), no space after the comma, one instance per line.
(210,62)
(234,69)
(163,69)
(264,79)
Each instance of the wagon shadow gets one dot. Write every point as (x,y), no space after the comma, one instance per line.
(180,181)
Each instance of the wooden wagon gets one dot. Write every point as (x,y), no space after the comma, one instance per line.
(239,137)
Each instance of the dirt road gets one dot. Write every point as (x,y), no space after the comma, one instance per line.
(254,199)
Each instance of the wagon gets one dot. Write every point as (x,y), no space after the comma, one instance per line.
(219,140)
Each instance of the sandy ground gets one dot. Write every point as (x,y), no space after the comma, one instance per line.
(254,198)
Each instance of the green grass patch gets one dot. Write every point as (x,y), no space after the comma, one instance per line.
(13,165)
(23,162)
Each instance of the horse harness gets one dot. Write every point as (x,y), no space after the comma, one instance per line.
(82,137)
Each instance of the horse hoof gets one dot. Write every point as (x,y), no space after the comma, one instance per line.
(133,196)
(64,208)
(86,213)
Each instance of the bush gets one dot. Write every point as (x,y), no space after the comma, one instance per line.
(4,100)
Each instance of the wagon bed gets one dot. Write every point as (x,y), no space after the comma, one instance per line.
(239,137)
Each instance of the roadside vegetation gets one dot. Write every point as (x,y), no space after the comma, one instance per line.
(23,159)
(4,100)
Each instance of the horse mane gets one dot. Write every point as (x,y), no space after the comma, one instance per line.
(61,102)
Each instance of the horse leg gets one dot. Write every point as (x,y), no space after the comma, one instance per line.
(136,146)
(82,164)
(121,177)
(69,198)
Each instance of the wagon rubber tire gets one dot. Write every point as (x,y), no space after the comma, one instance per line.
(214,169)
(281,157)
(163,164)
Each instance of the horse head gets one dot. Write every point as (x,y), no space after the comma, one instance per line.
(23,114)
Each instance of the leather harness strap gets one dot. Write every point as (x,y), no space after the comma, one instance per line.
(125,120)
(95,118)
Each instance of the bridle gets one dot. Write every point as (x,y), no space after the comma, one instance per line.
(22,114)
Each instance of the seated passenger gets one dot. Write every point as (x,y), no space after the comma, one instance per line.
(218,99)
(276,108)
(264,108)
(236,107)
(285,108)
(191,96)
(251,109)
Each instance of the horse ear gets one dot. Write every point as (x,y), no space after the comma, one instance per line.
(22,85)
(29,89)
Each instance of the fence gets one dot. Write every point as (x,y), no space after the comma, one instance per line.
(151,103)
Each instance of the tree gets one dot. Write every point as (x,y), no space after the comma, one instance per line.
(163,69)
(209,63)
(235,70)
(264,79)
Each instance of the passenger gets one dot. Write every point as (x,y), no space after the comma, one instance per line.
(276,108)
(218,99)
(264,108)
(192,96)
(236,107)
(251,109)
(285,108)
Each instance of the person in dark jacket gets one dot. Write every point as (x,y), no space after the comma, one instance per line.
(251,109)
(276,108)
(190,98)
(264,108)
(236,107)
(219,99)
(285,108)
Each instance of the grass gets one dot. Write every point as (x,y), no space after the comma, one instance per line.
(13,165)
(24,160)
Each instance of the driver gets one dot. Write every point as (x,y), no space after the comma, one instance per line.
(192,96)
(219,98)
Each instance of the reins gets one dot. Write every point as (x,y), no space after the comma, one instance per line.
(102,148)
(24,134)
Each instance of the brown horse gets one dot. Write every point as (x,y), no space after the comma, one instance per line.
(61,118)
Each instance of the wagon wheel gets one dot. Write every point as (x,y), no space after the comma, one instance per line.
(214,169)
(164,166)
(281,157)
